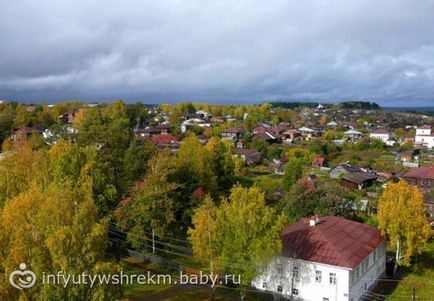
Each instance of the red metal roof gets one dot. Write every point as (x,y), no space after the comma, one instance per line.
(421,173)
(425,127)
(319,160)
(380,131)
(233,130)
(163,139)
(334,241)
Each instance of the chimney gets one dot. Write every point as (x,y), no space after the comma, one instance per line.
(314,219)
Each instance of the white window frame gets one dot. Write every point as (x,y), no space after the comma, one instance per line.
(318,276)
(332,278)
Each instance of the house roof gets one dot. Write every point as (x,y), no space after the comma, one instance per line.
(348,166)
(319,160)
(334,241)
(265,136)
(425,127)
(380,131)
(359,177)
(305,129)
(422,173)
(163,127)
(352,132)
(163,139)
(233,130)
(246,151)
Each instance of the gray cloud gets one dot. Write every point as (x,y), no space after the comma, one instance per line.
(220,51)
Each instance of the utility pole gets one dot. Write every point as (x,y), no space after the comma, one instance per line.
(414,294)
(153,241)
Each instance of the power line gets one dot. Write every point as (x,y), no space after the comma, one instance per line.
(181,248)
(163,250)
(230,262)
(160,236)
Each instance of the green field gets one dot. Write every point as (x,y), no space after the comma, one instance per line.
(420,276)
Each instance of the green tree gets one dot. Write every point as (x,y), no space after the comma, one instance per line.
(306,198)
(151,206)
(292,173)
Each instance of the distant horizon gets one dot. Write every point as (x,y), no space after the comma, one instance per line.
(431,107)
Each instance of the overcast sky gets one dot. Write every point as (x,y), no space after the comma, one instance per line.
(239,51)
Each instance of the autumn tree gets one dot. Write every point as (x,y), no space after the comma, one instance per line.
(322,120)
(193,166)
(304,154)
(20,165)
(331,135)
(151,206)
(51,230)
(240,235)
(402,218)
(6,120)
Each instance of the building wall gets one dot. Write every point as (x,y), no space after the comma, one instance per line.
(279,274)
(382,137)
(279,278)
(364,276)
(422,183)
(349,184)
(423,132)
(427,141)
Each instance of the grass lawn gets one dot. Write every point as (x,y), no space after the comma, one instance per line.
(420,276)
(204,294)
(173,292)
(134,266)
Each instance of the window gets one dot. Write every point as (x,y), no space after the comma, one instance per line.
(264,284)
(375,255)
(279,288)
(279,270)
(332,278)
(295,273)
(318,276)
(295,292)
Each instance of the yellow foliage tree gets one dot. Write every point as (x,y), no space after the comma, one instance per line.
(401,217)
(239,236)
(323,120)
(20,165)
(53,230)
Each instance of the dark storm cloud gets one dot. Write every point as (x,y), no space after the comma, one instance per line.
(223,51)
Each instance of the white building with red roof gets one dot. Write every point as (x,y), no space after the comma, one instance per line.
(326,258)
(424,136)
(380,134)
